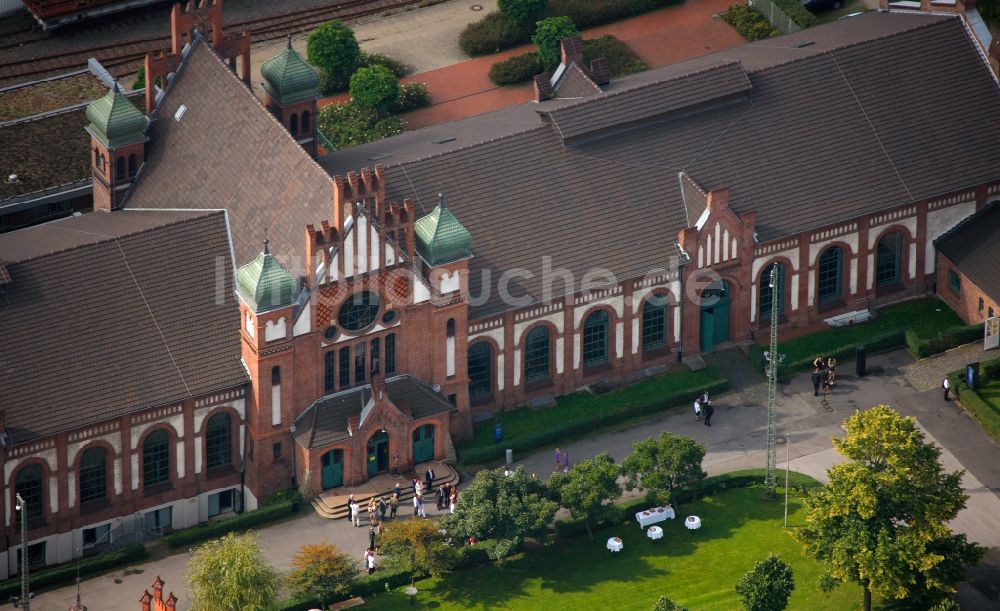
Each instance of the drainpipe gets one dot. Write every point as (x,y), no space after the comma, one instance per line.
(291,449)
(243,454)
(684,260)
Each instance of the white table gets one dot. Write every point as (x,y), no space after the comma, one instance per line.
(615,544)
(654,533)
(692,522)
(653,515)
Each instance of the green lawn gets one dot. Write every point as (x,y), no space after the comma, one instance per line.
(990,392)
(698,570)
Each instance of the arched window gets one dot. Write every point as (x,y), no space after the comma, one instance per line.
(536,354)
(888,259)
(219,441)
(329,371)
(275,375)
(156,458)
(120,167)
(293,124)
(654,323)
(769,293)
(451,327)
(93,475)
(359,311)
(480,370)
(305,122)
(595,338)
(29,485)
(830,274)
(132,165)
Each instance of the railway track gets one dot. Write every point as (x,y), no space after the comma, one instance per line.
(128,52)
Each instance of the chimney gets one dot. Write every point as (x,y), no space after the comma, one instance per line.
(718,199)
(572,51)
(543,88)
(600,71)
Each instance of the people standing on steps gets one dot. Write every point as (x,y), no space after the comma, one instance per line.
(394,503)
(382,508)
(350,501)
(429,479)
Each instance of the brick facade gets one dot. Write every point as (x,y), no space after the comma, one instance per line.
(969,301)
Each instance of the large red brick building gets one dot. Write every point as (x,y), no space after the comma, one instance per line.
(387,295)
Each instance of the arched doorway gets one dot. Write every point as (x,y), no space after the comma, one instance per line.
(378,453)
(715,301)
(332,469)
(423,444)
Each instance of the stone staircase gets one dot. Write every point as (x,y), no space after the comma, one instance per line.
(332,504)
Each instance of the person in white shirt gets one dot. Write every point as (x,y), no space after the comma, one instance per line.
(697,409)
(945,384)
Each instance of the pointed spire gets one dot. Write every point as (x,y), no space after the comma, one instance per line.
(441,200)
(266,251)
(289,42)
(440,237)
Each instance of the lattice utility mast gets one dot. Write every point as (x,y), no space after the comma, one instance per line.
(773,360)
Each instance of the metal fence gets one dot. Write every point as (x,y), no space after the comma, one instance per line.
(775,15)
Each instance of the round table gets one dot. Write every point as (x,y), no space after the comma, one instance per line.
(654,532)
(615,544)
(692,522)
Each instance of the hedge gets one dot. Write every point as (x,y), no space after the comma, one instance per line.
(749,22)
(520,68)
(948,339)
(395,66)
(411,97)
(65,574)
(570,428)
(516,69)
(494,32)
(244,521)
(746,478)
(798,13)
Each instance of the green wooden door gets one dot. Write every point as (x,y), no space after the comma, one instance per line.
(378,453)
(423,443)
(707,329)
(720,315)
(333,469)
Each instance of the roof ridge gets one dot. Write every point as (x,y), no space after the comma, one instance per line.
(104,238)
(987,209)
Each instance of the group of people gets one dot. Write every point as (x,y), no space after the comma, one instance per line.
(824,374)
(377,508)
(703,407)
(562,461)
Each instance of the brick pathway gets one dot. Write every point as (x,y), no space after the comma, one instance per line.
(925,374)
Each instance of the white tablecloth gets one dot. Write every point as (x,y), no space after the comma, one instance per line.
(692,522)
(654,515)
(615,544)
(654,532)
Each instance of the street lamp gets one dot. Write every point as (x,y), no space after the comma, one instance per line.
(25,602)
(78,606)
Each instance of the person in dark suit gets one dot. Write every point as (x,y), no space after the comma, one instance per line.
(817,379)
(429,479)
(709,410)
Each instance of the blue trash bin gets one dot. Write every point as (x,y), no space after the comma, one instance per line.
(498,432)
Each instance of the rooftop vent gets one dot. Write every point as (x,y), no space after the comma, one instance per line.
(180,113)
(443,140)
(12,179)
(804,44)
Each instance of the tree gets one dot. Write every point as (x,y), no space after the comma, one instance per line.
(333,49)
(587,488)
(416,545)
(375,87)
(321,572)
(548,35)
(666,604)
(767,586)
(502,507)
(663,465)
(523,11)
(140,79)
(232,573)
(881,520)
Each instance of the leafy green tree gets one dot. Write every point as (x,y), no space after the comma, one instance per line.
(501,507)
(375,87)
(588,487)
(522,11)
(548,35)
(661,466)
(140,79)
(232,573)
(666,604)
(767,586)
(347,125)
(321,572)
(416,546)
(881,521)
(333,49)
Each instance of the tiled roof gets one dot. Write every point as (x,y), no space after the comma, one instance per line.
(227,151)
(974,247)
(829,130)
(109,313)
(327,420)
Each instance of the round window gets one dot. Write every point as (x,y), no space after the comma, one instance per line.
(330,332)
(359,311)
(389,317)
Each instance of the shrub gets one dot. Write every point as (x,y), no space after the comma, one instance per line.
(797,13)
(140,79)
(522,11)
(516,69)
(411,97)
(398,68)
(549,33)
(347,125)
(244,521)
(65,574)
(491,34)
(749,22)
(374,88)
(989,370)
(469,556)
(333,49)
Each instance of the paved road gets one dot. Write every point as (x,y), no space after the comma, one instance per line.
(736,440)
